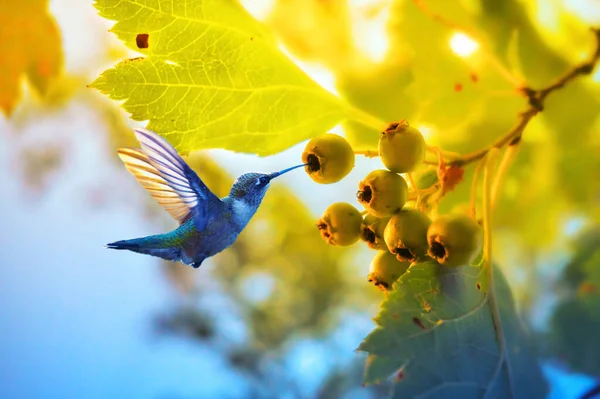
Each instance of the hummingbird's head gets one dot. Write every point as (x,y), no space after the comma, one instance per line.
(252,187)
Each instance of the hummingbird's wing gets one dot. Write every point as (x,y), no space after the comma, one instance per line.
(161,171)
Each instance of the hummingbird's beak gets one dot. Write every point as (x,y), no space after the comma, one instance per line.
(274,175)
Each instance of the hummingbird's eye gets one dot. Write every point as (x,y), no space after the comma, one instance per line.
(261,181)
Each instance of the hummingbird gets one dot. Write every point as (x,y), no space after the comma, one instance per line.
(207,224)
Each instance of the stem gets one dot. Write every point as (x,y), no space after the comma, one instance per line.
(446,155)
(513,135)
(490,161)
(507,159)
(367,153)
(412,181)
(474,190)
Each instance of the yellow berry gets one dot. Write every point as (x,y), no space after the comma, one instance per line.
(329,157)
(406,235)
(382,193)
(340,224)
(401,147)
(371,232)
(454,240)
(385,269)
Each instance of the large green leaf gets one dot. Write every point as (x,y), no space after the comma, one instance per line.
(212,77)
(436,334)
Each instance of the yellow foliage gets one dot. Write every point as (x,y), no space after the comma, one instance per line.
(30,45)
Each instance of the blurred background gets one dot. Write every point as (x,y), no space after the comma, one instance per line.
(279,314)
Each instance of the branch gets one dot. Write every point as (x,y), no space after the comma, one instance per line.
(536,99)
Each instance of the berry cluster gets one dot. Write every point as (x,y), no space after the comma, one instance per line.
(401,233)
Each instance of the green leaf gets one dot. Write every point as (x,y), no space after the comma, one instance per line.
(436,334)
(212,77)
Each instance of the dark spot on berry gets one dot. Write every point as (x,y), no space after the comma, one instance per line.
(458,87)
(365,195)
(478,286)
(251,38)
(418,323)
(437,250)
(313,163)
(142,40)
(474,77)
(368,235)
(404,254)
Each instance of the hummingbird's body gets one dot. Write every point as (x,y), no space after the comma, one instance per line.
(208,224)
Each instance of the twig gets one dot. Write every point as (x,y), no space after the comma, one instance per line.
(488,165)
(536,104)
(367,153)
(473,204)
(488,268)
(508,157)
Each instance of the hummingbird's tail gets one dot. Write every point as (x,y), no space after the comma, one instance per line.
(152,245)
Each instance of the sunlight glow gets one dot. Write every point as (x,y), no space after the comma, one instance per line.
(319,73)
(587,10)
(369,27)
(426,130)
(463,45)
(259,9)
(547,14)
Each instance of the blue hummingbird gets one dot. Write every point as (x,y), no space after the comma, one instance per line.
(208,224)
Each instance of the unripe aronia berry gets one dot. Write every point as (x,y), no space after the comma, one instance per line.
(454,240)
(382,193)
(371,232)
(385,269)
(401,147)
(406,235)
(340,224)
(329,157)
